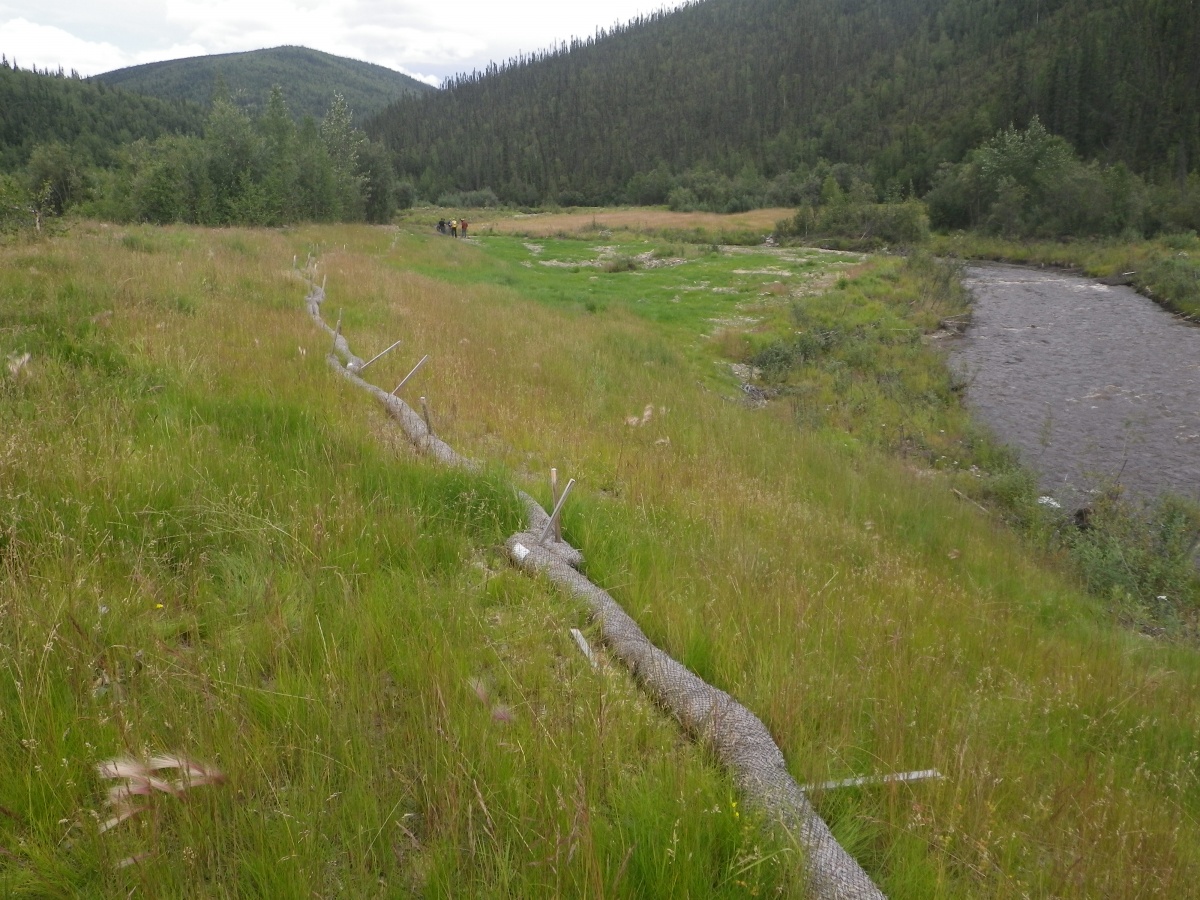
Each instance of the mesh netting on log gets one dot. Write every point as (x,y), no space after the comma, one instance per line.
(735,735)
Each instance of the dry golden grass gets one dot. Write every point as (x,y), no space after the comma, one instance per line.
(642,219)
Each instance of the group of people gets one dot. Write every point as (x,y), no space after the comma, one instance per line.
(453,227)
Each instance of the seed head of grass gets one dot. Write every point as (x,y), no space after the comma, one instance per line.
(17,364)
(139,779)
(643,419)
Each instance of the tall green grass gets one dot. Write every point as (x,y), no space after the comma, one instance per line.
(876,620)
(398,713)
(210,550)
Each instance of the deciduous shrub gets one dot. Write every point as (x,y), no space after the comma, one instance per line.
(1030,183)
(859,225)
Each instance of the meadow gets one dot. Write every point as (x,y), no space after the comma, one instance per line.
(216,548)
(587,222)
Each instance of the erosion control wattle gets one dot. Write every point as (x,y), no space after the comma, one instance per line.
(730,731)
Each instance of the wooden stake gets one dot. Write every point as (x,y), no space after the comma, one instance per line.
(554,500)
(425,413)
(872,779)
(415,369)
(557,509)
(337,331)
(377,355)
(582,643)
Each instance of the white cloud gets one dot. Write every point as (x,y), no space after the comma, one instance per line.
(430,38)
(432,80)
(175,51)
(47,47)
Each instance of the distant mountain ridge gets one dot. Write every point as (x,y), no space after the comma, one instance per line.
(309,79)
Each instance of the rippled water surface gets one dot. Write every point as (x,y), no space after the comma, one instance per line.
(1088,381)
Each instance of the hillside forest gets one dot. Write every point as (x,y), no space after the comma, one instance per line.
(91,120)
(221,166)
(312,79)
(874,120)
(733,104)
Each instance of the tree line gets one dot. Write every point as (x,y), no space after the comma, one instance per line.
(254,171)
(1023,183)
(237,169)
(92,120)
(1029,183)
(1027,117)
(756,93)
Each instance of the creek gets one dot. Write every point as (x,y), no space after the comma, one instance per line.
(1090,382)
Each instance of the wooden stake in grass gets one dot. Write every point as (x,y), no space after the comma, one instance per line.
(557,509)
(902,777)
(425,415)
(554,500)
(378,355)
(586,650)
(337,331)
(415,369)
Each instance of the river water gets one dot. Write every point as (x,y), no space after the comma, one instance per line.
(1088,381)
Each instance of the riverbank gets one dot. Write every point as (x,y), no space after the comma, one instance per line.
(865,360)
(1096,388)
(1166,269)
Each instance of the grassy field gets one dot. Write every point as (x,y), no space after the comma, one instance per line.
(215,547)
(697,227)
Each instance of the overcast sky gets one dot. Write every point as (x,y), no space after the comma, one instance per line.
(428,40)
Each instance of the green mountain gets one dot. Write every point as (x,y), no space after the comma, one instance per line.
(757,89)
(93,119)
(309,79)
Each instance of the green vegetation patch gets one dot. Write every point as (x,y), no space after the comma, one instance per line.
(207,554)
(856,358)
(690,289)
(219,549)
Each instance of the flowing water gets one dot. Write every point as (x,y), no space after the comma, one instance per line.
(1089,382)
